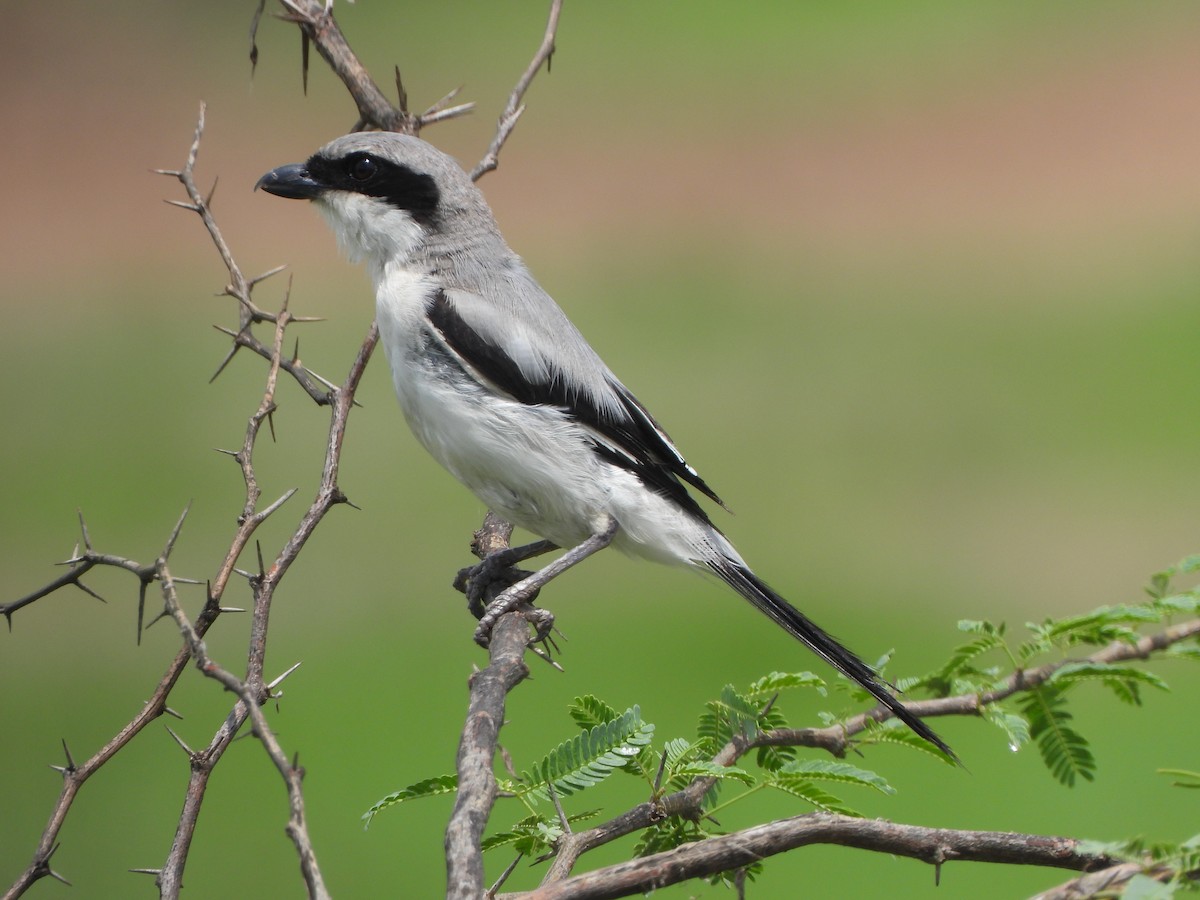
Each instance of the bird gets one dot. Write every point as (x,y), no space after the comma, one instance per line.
(504,391)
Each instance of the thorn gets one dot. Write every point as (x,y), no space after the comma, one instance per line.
(304,47)
(279,680)
(545,657)
(175,532)
(87,590)
(208,200)
(491,892)
(296,351)
(183,205)
(179,741)
(179,580)
(288,494)
(70,758)
(271,424)
(247,575)
(452,113)
(662,767)
(173,713)
(401,93)
(304,320)
(262,570)
(228,356)
(226,331)
(87,540)
(232,609)
(142,613)
(57,877)
(325,381)
(265,275)
(154,872)
(440,104)
(232,453)
(174,173)
(155,620)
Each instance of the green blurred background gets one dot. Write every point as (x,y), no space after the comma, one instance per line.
(913,285)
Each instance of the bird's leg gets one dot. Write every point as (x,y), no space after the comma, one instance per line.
(496,568)
(523,591)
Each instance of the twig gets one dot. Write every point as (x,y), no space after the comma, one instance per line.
(514,108)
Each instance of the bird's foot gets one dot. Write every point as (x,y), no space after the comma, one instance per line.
(517,597)
(485,580)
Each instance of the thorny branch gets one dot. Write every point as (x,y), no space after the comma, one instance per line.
(263,583)
(514,108)
(318,27)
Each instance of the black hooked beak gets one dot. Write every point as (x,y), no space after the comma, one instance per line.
(292,181)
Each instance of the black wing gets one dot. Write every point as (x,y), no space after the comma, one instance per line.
(628,437)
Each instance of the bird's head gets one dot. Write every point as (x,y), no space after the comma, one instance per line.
(384,194)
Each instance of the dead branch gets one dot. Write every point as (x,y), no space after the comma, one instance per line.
(514,108)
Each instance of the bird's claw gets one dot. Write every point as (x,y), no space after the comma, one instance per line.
(515,600)
(486,580)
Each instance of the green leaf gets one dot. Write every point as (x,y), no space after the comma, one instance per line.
(589,757)
(589,711)
(702,769)
(1190,779)
(1124,681)
(775,682)
(722,719)
(980,626)
(831,770)
(431,787)
(804,788)
(1142,887)
(534,834)
(667,835)
(1064,750)
(893,731)
(1014,726)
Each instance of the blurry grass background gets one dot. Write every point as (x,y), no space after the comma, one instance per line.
(913,285)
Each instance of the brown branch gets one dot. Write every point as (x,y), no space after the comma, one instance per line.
(476,750)
(935,846)
(251,697)
(514,108)
(318,27)
(316,23)
(341,400)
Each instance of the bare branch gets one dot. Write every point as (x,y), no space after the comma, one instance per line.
(317,24)
(512,111)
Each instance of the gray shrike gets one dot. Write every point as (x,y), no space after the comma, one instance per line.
(504,391)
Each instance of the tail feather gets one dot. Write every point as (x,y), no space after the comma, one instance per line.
(754,589)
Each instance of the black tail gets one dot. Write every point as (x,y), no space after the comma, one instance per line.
(825,646)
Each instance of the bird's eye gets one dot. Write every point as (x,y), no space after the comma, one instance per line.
(362,168)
